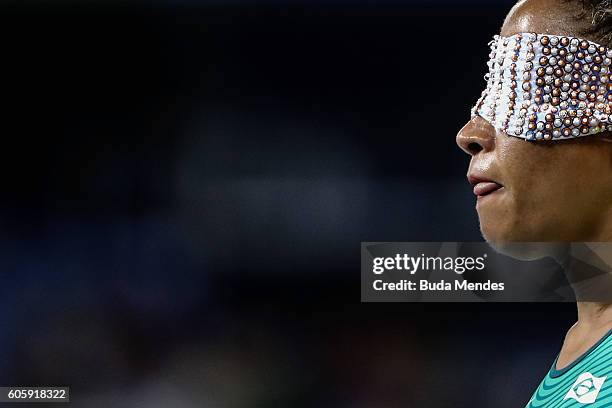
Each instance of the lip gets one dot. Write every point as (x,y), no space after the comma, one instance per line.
(483,186)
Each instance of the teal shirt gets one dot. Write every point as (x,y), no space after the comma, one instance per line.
(587,382)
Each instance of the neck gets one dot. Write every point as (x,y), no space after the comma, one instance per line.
(588,268)
(595,315)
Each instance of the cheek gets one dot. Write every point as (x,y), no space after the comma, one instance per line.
(553,191)
(523,172)
(538,175)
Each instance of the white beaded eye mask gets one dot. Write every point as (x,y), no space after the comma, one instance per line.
(547,87)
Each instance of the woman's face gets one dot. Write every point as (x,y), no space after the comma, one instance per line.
(539,191)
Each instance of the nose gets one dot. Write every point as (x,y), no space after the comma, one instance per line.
(477,135)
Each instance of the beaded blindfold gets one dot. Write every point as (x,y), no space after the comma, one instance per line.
(547,87)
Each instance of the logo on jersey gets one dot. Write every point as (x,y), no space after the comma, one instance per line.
(586,388)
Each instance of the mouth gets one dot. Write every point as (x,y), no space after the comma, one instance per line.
(483,186)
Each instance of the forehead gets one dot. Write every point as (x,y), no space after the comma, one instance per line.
(560,17)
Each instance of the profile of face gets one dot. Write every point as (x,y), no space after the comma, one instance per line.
(542,191)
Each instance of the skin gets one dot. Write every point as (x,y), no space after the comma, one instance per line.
(552,191)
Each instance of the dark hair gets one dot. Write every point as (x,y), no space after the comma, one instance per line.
(600,13)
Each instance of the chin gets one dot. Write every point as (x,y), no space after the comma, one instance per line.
(520,244)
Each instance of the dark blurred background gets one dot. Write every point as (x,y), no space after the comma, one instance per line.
(185,186)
